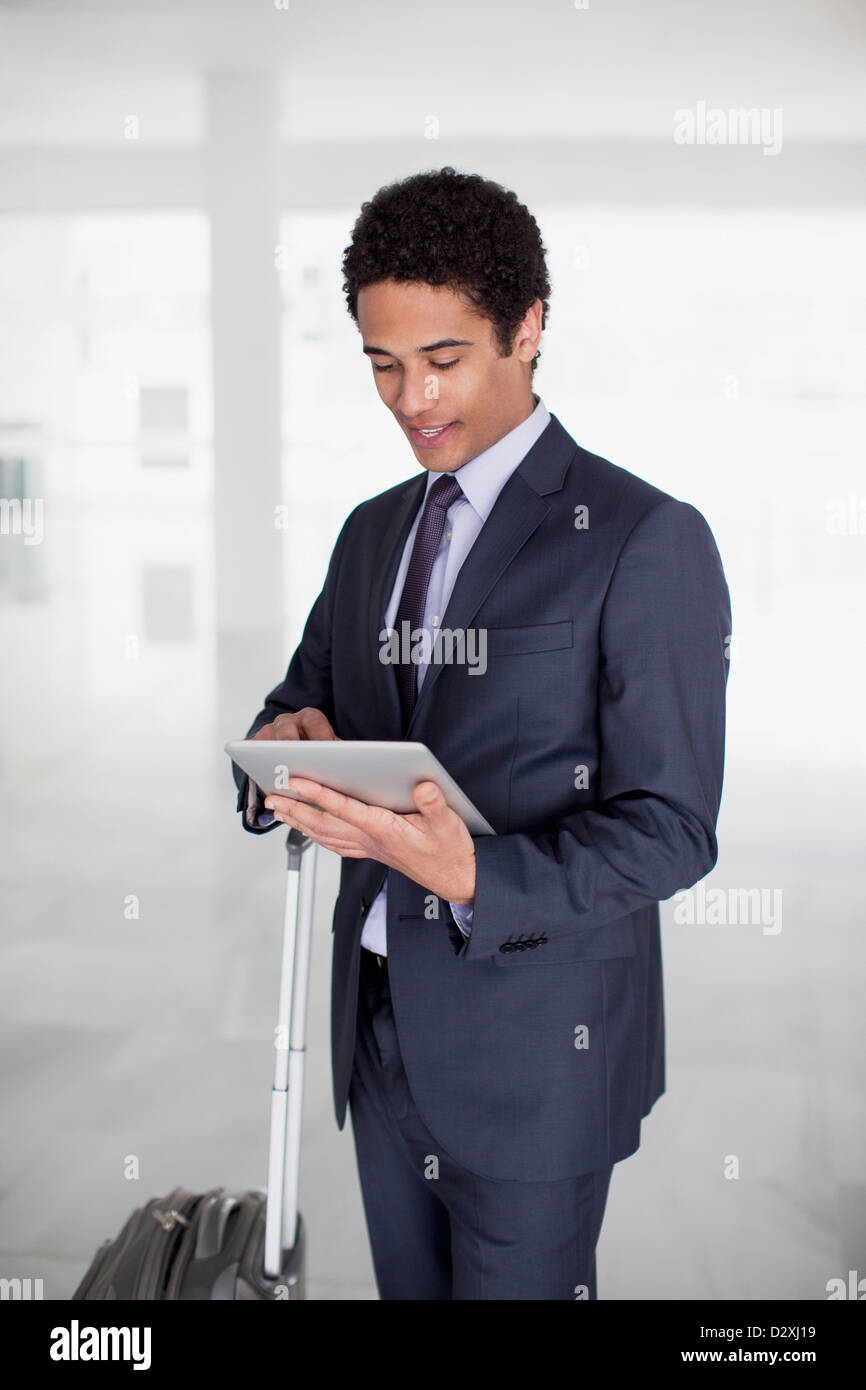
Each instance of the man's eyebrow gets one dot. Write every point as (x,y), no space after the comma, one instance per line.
(430,347)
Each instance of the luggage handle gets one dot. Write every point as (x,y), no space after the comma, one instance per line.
(284,1149)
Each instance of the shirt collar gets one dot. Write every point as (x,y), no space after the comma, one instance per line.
(483,478)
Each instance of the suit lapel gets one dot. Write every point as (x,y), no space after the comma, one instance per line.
(378,589)
(518,511)
(515,515)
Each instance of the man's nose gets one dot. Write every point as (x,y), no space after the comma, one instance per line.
(418,395)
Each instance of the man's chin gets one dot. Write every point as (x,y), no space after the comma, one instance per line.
(439,460)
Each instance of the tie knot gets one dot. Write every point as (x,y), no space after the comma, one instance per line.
(444,491)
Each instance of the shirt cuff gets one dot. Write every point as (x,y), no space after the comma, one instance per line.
(462,914)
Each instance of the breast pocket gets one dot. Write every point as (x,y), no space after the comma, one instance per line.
(539,637)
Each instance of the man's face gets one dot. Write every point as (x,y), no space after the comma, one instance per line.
(436,363)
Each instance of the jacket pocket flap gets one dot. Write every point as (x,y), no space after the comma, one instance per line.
(540,637)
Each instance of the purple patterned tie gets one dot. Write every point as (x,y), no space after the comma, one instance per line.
(413,600)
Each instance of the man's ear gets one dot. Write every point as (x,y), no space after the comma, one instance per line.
(528,335)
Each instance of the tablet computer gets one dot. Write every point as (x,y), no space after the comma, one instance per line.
(380,774)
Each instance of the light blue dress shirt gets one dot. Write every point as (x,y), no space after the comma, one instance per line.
(481,480)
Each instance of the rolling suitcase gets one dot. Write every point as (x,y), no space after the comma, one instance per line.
(233,1245)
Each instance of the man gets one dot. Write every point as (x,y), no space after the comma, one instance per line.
(497,1012)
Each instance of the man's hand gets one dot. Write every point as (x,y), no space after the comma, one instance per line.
(307,723)
(432,847)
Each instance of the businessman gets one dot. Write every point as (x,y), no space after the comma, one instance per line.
(497,1010)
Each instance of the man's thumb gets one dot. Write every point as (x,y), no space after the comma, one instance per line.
(428,796)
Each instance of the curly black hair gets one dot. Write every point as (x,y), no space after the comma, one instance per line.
(461,230)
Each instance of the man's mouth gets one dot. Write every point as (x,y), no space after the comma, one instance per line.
(432,434)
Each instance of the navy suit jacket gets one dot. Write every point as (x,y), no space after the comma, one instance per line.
(593,744)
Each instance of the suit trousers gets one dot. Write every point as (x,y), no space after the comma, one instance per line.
(438,1230)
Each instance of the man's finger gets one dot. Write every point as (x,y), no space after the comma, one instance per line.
(319,823)
(315,725)
(345,808)
(307,723)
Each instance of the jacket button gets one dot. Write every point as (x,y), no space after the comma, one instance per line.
(363,906)
(506,948)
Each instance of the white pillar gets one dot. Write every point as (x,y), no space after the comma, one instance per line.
(241,180)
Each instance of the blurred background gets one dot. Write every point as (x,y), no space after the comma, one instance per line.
(186,419)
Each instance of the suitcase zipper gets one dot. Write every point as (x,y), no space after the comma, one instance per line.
(173,1217)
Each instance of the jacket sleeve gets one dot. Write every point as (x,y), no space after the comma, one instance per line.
(664,632)
(307,684)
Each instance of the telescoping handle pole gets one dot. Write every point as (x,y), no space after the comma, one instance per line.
(284,1150)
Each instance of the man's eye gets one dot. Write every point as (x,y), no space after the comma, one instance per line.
(440,366)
